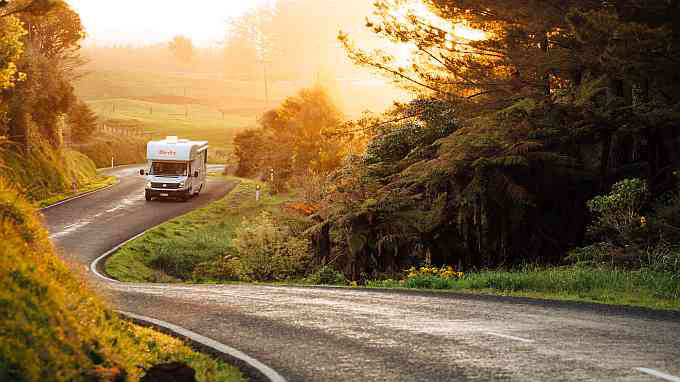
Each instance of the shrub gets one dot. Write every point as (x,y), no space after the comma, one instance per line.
(663,257)
(427,277)
(224,269)
(619,211)
(268,251)
(326,275)
(591,254)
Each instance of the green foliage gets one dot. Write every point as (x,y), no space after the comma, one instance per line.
(577,283)
(11,48)
(36,105)
(664,257)
(249,147)
(180,258)
(619,211)
(205,238)
(44,172)
(268,252)
(429,120)
(326,275)
(593,254)
(82,121)
(226,268)
(53,327)
(304,129)
(103,147)
(633,241)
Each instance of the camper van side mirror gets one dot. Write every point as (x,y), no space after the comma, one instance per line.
(195,174)
(141,172)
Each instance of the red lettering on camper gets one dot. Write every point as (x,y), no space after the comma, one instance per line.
(169,153)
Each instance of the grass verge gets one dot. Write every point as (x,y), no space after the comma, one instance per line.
(642,288)
(96,184)
(196,237)
(53,327)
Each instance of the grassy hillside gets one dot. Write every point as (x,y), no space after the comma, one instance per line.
(43,172)
(193,241)
(163,116)
(207,105)
(124,150)
(52,327)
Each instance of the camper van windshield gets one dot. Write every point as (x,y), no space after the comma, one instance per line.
(168,169)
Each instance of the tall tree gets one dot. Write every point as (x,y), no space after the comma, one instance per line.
(546,113)
(49,63)
(182,49)
(11,48)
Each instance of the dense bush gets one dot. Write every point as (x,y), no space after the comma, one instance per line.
(326,275)
(304,133)
(619,211)
(82,121)
(225,268)
(631,235)
(268,251)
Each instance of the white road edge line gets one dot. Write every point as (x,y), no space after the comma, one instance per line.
(80,196)
(250,361)
(509,337)
(93,265)
(220,347)
(658,374)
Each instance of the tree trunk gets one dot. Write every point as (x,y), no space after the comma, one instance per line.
(604,159)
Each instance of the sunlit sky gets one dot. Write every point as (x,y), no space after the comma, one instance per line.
(150,21)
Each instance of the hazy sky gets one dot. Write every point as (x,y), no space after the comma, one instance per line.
(146,21)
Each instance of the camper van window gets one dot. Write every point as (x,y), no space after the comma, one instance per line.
(168,169)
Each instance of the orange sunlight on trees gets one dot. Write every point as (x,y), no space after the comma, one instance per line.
(454,33)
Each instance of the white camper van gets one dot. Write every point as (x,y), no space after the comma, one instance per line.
(177,168)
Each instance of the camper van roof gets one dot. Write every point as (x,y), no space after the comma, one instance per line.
(175,149)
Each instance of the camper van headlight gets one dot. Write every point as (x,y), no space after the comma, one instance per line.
(148,184)
(181,184)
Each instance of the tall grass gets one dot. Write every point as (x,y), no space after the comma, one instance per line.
(642,288)
(193,246)
(54,328)
(180,257)
(124,150)
(43,171)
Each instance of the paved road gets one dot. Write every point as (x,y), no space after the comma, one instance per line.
(353,335)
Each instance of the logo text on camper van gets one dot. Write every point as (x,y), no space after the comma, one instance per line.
(169,153)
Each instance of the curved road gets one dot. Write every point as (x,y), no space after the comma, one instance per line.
(326,334)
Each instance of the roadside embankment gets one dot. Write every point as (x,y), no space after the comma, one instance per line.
(643,288)
(45,175)
(199,246)
(53,327)
(122,149)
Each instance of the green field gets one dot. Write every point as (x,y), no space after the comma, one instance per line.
(159,120)
(193,106)
(207,106)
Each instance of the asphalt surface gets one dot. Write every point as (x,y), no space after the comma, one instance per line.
(325,334)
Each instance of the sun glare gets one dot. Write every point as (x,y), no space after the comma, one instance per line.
(455,32)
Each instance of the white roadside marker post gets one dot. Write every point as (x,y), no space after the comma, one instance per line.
(257,193)
(111,162)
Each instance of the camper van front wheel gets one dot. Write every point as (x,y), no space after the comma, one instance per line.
(147,196)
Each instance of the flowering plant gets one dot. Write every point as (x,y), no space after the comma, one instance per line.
(445,272)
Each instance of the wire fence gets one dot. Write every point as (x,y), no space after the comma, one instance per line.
(127,131)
